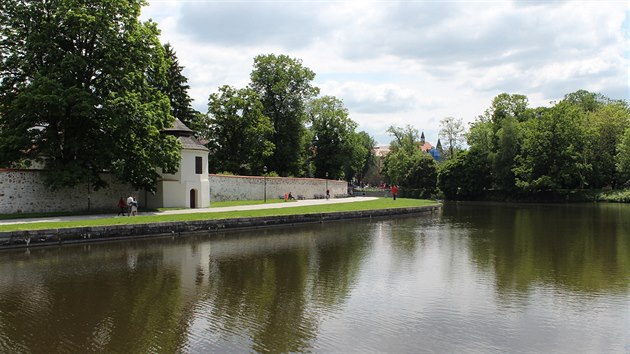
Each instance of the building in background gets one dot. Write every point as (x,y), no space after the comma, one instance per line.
(189,187)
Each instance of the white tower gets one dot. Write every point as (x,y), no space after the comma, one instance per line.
(189,187)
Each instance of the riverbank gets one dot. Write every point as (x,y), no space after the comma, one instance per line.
(560,196)
(184,221)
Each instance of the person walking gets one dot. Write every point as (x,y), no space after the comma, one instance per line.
(394,191)
(129,202)
(134,207)
(122,205)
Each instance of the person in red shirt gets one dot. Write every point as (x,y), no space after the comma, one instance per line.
(122,205)
(394,191)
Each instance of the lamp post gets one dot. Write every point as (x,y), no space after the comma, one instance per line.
(265,179)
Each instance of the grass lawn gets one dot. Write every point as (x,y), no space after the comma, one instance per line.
(230,203)
(98,212)
(382,203)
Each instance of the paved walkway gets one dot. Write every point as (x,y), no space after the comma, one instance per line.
(189,211)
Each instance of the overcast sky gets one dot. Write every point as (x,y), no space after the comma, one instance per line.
(407,62)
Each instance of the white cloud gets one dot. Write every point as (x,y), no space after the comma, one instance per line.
(407,62)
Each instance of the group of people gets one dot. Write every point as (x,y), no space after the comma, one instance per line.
(129,206)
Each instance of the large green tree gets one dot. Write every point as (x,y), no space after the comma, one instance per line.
(480,135)
(176,89)
(238,132)
(285,86)
(403,152)
(552,153)
(508,147)
(78,91)
(332,136)
(505,105)
(452,134)
(622,159)
(605,126)
(406,165)
(362,157)
(465,177)
(405,139)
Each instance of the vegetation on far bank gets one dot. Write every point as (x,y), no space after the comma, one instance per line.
(377,204)
(77,106)
(615,196)
(576,150)
(581,143)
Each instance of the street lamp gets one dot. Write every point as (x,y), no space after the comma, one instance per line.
(265,179)
(327,192)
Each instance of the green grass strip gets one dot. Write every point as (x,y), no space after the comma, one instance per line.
(377,204)
(230,203)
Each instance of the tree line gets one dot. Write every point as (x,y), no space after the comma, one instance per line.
(279,125)
(86,87)
(580,142)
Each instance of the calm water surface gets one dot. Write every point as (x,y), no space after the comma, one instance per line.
(473,278)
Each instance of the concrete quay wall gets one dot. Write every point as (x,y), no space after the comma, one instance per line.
(51,237)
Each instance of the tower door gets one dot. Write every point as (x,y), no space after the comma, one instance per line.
(193,198)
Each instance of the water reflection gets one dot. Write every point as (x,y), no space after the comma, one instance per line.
(478,277)
(581,247)
(72,300)
(290,281)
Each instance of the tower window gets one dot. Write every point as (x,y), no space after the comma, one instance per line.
(198,165)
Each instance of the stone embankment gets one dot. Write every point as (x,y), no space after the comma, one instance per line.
(31,238)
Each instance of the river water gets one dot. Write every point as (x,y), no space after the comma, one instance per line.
(471,278)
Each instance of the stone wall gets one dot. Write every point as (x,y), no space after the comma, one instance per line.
(224,187)
(23,191)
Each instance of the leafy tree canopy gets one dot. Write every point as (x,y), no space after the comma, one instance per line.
(284,86)
(238,132)
(332,136)
(79,91)
(466,176)
(405,139)
(452,132)
(362,156)
(406,165)
(551,157)
(176,89)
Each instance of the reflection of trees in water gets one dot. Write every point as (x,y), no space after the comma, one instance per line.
(580,247)
(405,240)
(277,297)
(87,302)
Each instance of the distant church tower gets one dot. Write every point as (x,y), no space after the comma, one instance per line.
(189,187)
(422,141)
(439,146)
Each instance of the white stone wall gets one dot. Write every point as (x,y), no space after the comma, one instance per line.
(224,187)
(23,191)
